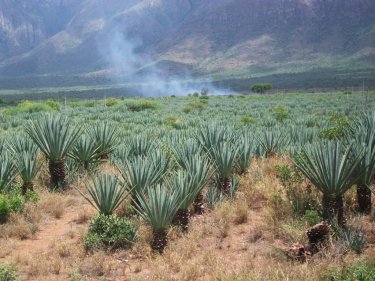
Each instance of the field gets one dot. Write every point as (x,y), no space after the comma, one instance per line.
(242,156)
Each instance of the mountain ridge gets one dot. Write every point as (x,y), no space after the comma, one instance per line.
(223,38)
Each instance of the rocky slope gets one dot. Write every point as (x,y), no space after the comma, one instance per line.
(224,38)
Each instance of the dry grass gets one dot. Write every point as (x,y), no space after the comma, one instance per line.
(53,204)
(242,239)
(96,265)
(84,215)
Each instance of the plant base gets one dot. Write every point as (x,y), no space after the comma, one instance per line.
(159,241)
(364,199)
(317,235)
(57,172)
(198,204)
(27,186)
(181,219)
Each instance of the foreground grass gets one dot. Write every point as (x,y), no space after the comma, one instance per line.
(244,238)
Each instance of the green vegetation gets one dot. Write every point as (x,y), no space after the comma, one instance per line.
(196,106)
(55,136)
(329,167)
(111,102)
(362,271)
(158,206)
(33,106)
(338,126)
(105,137)
(106,194)
(7,171)
(110,232)
(261,88)
(85,152)
(280,113)
(192,177)
(8,272)
(140,105)
(10,203)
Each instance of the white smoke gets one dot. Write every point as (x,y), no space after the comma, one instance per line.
(130,68)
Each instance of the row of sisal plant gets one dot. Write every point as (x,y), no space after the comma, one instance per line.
(162,194)
(159,194)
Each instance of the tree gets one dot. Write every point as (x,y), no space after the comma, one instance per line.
(204,91)
(261,88)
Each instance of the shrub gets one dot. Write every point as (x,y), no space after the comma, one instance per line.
(8,272)
(32,107)
(31,196)
(55,105)
(4,209)
(172,121)
(193,106)
(10,203)
(91,103)
(261,88)
(301,199)
(248,120)
(110,232)
(111,102)
(140,105)
(280,112)
(338,126)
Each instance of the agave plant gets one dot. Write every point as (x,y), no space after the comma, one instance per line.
(199,168)
(23,144)
(190,184)
(184,153)
(2,146)
(160,161)
(158,205)
(245,153)
(141,172)
(213,196)
(210,136)
(121,153)
(140,145)
(105,137)
(365,125)
(272,142)
(55,136)
(224,159)
(7,171)
(105,194)
(86,152)
(188,190)
(330,167)
(27,167)
(366,168)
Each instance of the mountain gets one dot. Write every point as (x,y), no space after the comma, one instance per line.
(117,39)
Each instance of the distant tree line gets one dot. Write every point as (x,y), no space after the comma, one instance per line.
(261,88)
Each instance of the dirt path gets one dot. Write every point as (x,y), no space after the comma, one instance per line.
(50,231)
